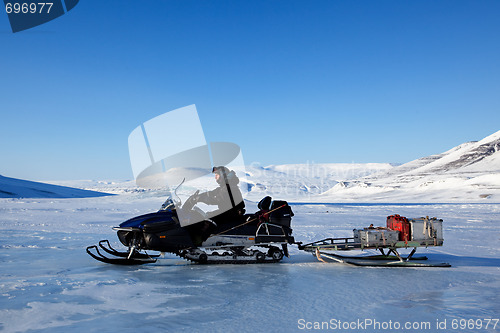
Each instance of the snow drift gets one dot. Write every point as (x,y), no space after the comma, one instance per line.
(17,188)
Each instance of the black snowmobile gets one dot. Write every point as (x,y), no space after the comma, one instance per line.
(250,238)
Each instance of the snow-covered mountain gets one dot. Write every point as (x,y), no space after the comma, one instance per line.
(302,181)
(17,188)
(469,172)
(296,182)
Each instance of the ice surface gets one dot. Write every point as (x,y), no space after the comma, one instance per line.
(49,284)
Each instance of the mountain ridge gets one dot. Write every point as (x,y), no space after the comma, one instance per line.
(468,172)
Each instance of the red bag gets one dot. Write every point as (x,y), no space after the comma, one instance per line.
(401,224)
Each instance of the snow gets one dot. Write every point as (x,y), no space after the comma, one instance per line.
(49,284)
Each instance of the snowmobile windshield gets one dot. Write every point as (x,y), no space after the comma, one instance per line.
(171,149)
(168,204)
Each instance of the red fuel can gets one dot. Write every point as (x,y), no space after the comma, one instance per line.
(401,224)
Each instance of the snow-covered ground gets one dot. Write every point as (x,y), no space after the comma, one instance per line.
(49,284)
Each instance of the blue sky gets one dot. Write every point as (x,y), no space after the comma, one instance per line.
(288,81)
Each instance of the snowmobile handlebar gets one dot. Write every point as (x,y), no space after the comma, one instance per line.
(191,201)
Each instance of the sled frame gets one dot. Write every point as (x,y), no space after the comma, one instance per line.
(324,250)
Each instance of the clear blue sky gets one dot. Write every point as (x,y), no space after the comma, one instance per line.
(289,81)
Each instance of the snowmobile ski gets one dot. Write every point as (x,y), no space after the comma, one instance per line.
(136,255)
(136,258)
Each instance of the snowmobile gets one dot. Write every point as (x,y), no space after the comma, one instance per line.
(261,237)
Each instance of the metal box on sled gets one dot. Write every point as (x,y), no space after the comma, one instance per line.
(374,237)
(427,230)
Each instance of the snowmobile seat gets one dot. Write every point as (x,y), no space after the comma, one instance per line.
(282,215)
(265,203)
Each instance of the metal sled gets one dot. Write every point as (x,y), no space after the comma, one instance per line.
(325,251)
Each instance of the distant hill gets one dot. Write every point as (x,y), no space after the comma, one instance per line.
(468,172)
(18,188)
